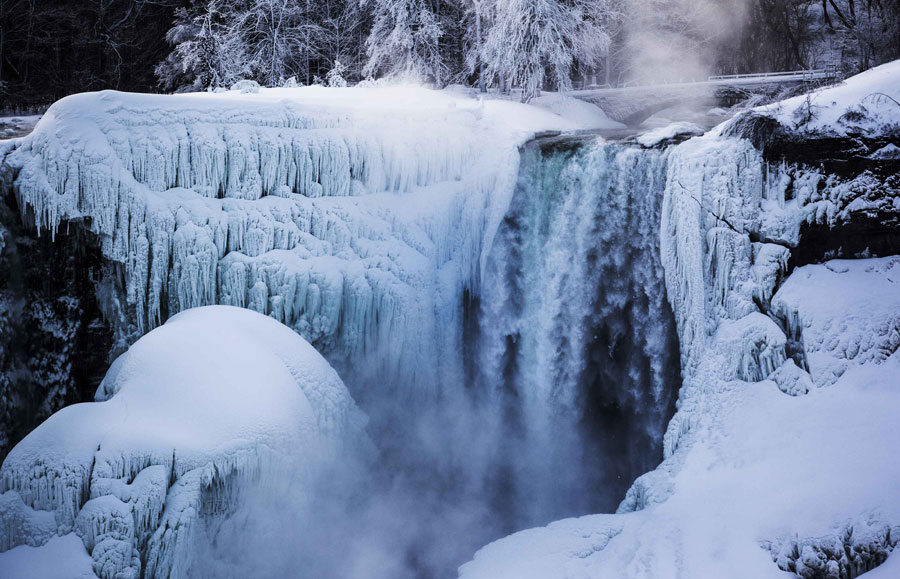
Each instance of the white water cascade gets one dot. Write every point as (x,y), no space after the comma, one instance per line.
(577,344)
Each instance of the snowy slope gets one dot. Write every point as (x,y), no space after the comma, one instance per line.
(866,103)
(355,216)
(191,413)
(779,457)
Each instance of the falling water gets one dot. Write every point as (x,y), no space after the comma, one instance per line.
(577,346)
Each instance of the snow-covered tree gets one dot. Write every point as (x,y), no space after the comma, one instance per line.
(282,36)
(404,40)
(534,41)
(226,40)
(208,51)
(335,76)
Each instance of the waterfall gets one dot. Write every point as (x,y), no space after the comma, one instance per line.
(506,387)
(576,344)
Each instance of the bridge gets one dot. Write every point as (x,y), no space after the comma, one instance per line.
(632,104)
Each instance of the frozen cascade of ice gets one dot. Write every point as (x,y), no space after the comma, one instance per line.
(359,234)
(577,345)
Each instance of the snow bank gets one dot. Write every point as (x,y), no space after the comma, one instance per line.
(668,132)
(350,215)
(60,558)
(195,409)
(586,115)
(852,317)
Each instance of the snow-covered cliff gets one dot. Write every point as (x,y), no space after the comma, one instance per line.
(354,216)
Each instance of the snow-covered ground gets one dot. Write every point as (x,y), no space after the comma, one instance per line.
(867,103)
(781,454)
(189,416)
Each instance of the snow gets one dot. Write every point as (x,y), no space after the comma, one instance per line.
(586,115)
(656,136)
(212,399)
(837,328)
(60,558)
(335,210)
(868,93)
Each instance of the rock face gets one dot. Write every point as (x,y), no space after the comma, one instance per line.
(55,342)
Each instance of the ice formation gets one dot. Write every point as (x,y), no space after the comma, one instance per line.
(335,211)
(188,416)
(339,213)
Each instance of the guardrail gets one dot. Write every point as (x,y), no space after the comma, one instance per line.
(785,76)
(799,74)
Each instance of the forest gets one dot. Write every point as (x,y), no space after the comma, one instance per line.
(52,49)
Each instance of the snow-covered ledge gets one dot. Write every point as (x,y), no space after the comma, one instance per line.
(781,456)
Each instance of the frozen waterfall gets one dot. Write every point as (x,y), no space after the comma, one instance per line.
(510,339)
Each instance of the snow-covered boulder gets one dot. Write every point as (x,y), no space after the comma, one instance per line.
(197,409)
(246,86)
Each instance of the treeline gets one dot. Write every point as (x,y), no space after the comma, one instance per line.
(50,48)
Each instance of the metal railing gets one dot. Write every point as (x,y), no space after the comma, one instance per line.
(785,76)
(815,74)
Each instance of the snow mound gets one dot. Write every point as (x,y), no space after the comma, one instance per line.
(586,115)
(337,211)
(60,558)
(845,313)
(196,408)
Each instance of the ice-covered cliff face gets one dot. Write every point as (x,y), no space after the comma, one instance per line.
(344,217)
(577,349)
(774,459)
(351,226)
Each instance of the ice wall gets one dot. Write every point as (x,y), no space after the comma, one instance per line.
(345,217)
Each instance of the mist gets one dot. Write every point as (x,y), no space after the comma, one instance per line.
(668,41)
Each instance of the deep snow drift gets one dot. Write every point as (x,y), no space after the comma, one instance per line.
(779,456)
(214,401)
